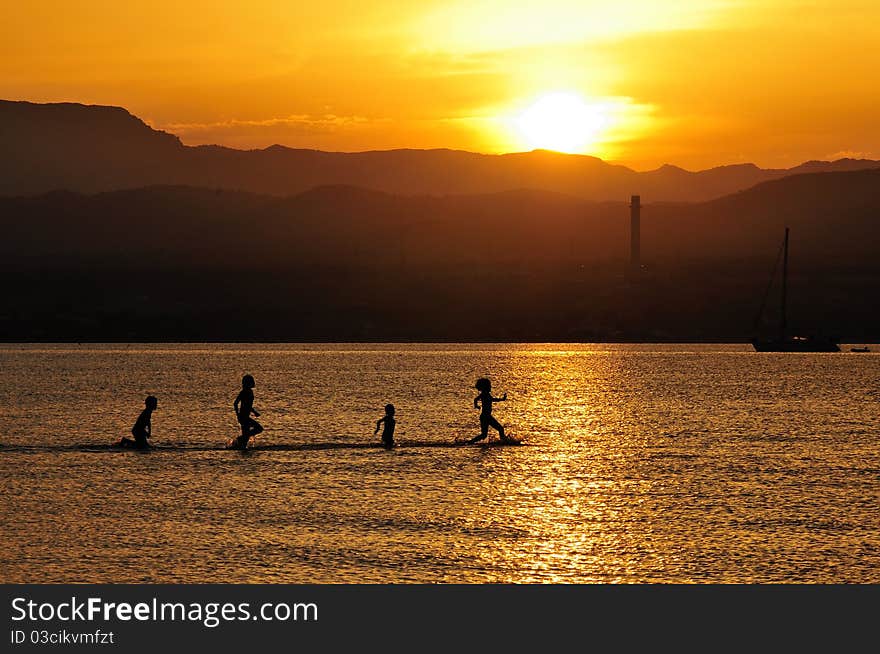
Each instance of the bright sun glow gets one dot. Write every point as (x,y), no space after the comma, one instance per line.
(563,122)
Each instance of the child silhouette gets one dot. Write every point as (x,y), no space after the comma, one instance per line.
(244,407)
(389,422)
(484,402)
(142,429)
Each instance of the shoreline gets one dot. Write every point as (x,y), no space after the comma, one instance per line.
(841,342)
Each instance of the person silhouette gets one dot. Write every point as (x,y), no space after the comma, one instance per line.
(484,402)
(142,429)
(244,407)
(390,423)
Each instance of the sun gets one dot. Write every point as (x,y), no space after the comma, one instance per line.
(561,121)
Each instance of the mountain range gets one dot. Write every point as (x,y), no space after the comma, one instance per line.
(91,149)
(116,231)
(833,216)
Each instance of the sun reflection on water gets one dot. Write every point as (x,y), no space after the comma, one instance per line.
(642,464)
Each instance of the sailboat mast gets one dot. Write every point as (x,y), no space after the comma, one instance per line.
(782,324)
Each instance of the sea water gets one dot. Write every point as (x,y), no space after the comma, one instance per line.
(641,464)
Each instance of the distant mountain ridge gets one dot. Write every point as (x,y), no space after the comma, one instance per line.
(343,263)
(91,149)
(833,216)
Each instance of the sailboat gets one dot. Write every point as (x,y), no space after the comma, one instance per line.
(785,342)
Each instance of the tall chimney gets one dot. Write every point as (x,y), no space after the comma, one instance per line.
(635,234)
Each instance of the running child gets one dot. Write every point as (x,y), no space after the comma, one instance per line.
(484,402)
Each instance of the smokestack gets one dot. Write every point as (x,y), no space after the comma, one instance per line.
(635,234)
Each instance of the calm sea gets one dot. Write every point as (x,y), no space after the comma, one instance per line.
(642,463)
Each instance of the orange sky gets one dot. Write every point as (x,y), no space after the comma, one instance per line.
(642,82)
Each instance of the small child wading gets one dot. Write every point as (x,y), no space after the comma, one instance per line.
(244,407)
(389,422)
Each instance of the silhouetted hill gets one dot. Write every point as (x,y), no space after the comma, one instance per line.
(406,245)
(345,263)
(833,217)
(91,149)
(81,148)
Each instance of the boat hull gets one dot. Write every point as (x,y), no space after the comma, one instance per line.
(795,345)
